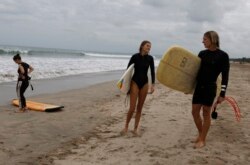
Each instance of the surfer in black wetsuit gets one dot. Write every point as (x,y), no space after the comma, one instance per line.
(213,62)
(23,81)
(139,85)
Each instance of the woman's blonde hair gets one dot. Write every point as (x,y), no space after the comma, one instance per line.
(214,38)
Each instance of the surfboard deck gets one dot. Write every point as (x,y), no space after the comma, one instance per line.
(178,69)
(124,82)
(36,106)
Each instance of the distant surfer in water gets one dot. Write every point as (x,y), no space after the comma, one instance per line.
(23,81)
(139,84)
(213,62)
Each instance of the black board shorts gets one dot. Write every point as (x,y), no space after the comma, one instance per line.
(204,94)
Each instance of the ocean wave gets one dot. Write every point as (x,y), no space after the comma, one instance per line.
(54,53)
(107,55)
(50,63)
(45,52)
(56,67)
(13,51)
(7,75)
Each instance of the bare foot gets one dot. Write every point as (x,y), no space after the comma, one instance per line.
(199,144)
(124,132)
(20,111)
(196,140)
(136,133)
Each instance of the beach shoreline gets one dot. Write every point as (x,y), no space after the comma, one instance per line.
(57,84)
(87,130)
(25,136)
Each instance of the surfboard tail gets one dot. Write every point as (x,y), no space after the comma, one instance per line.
(119,84)
(124,83)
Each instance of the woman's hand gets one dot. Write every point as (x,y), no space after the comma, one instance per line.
(30,69)
(220,99)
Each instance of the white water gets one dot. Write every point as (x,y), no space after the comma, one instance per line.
(50,63)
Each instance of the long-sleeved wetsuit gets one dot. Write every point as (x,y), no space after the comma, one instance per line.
(141,65)
(212,64)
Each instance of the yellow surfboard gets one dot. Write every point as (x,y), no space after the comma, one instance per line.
(36,106)
(178,69)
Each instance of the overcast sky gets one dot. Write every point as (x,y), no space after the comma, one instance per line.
(120,25)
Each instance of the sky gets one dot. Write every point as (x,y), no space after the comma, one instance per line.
(121,25)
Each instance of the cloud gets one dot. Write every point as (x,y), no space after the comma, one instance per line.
(208,11)
(120,25)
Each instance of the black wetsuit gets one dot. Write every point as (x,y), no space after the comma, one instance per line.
(22,84)
(141,65)
(212,64)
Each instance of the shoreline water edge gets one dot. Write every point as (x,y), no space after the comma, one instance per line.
(57,84)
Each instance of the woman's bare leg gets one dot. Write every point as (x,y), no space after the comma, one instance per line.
(133,99)
(197,119)
(205,126)
(141,99)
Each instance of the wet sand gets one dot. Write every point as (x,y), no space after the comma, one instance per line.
(50,86)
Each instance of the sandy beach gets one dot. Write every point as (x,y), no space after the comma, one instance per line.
(87,130)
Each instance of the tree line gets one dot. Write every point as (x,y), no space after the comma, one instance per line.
(241,60)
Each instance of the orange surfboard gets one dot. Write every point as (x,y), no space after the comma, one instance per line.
(36,106)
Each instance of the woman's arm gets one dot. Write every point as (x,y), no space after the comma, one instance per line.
(31,69)
(22,71)
(152,67)
(131,61)
(225,75)
(20,67)
(224,82)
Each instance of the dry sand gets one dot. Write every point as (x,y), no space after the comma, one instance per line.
(86,132)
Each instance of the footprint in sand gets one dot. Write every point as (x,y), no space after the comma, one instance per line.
(118,149)
(198,160)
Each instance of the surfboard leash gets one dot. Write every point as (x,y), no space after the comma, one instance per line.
(232,102)
(235,106)
(126,100)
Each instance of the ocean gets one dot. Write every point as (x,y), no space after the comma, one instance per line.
(51,63)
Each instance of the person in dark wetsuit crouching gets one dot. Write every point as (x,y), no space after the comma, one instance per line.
(23,81)
(213,62)
(139,84)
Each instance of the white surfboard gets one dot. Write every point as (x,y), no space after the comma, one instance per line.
(124,83)
(149,80)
